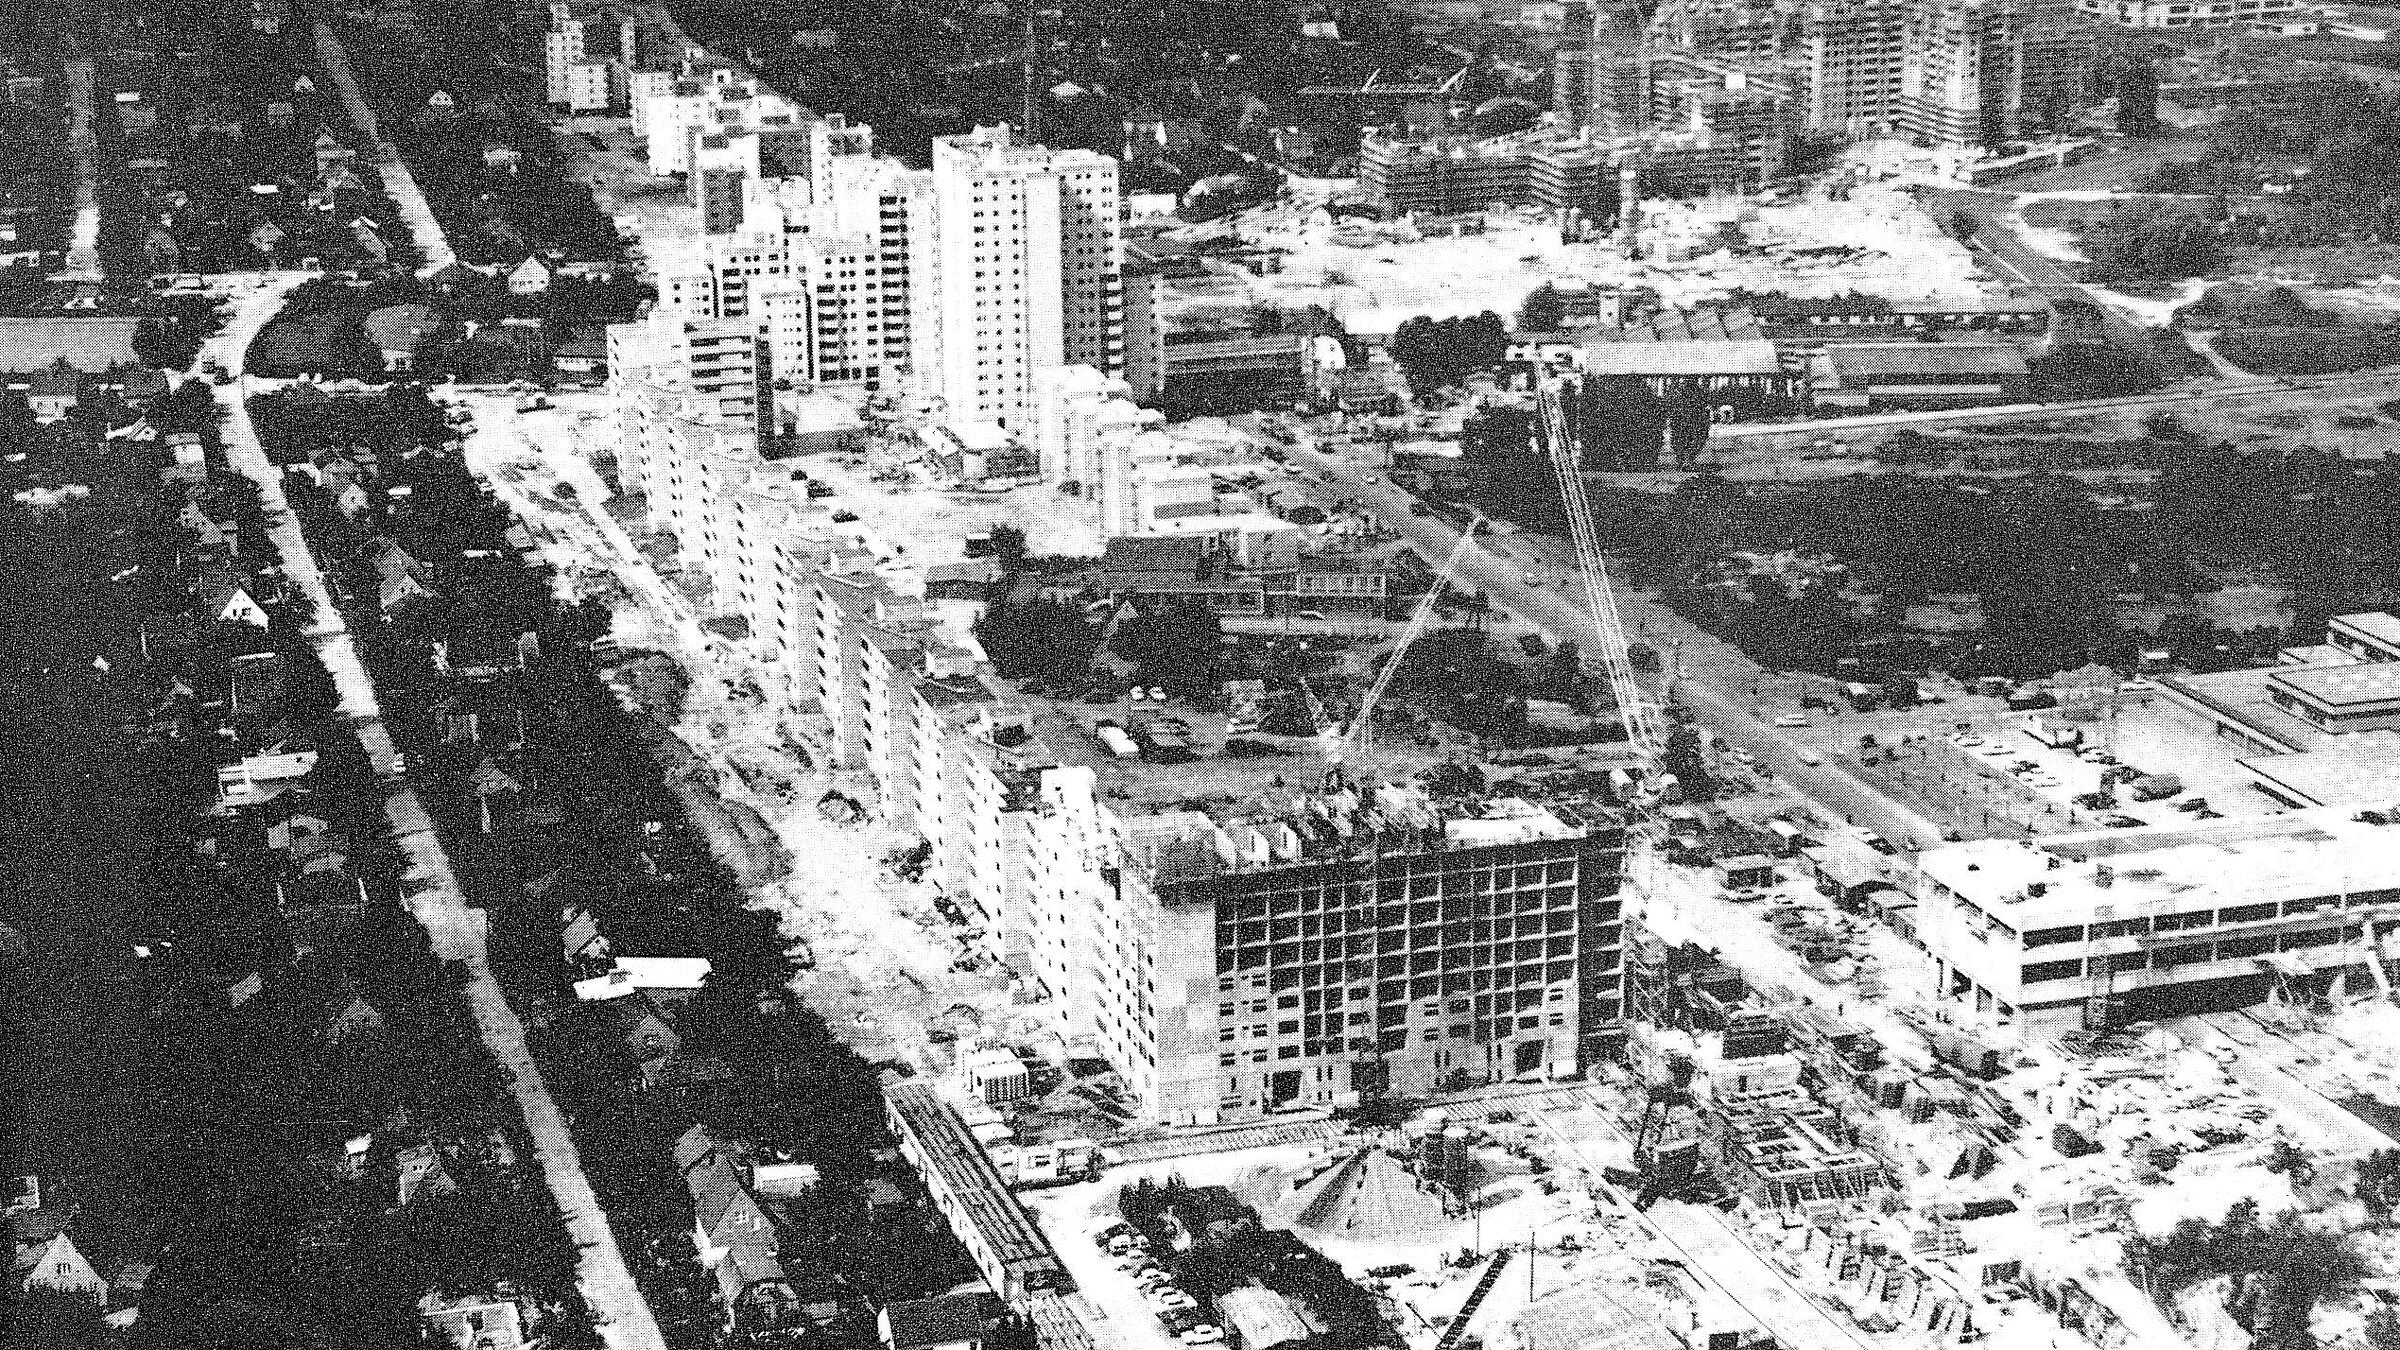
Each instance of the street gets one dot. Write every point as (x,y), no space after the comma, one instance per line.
(456,932)
(1719,678)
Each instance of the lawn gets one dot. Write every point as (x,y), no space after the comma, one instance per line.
(326,341)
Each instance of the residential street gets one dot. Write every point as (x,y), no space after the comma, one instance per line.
(1717,680)
(398,183)
(456,932)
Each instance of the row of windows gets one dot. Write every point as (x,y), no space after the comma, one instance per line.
(2200,918)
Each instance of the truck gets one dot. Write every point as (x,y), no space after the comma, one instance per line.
(2056,735)
(2155,786)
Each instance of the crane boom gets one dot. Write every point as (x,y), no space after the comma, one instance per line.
(1362,730)
(1616,654)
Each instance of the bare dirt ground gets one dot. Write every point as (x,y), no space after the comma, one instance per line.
(886,965)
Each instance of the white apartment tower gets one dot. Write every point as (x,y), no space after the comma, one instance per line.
(571,78)
(1014,258)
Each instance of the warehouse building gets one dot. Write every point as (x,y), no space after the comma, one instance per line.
(2117,926)
(1920,375)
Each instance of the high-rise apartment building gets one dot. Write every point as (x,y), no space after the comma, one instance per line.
(1332,948)
(1014,258)
(575,77)
(1952,72)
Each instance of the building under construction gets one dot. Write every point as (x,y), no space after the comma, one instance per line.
(1329,947)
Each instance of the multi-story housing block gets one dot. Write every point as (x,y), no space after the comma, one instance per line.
(575,77)
(1014,261)
(1334,948)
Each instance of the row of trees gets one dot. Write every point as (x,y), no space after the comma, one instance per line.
(626,850)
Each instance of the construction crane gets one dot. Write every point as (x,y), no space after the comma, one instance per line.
(1643,721)
(1641,718)
(1361,735)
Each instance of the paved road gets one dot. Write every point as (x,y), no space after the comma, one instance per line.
(1718,680)
(2000,243)
(83,251)
(398,183)
(456,932)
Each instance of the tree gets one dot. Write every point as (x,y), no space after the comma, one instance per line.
(1046,641)
(1176,645)
(1008,545)
(1438,354)
(1900,691)
(2137,98)
(1623,423)
(1687,425)
(2379,1184)
(1543,310)
(1683,759)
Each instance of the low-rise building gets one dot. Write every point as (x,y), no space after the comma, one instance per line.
(2125,925)
(1920,375)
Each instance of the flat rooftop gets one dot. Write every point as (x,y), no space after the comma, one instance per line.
(2376,624)
(2364,771)
(2343,686)
(2299,855)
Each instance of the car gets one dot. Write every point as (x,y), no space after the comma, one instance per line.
(2192,804)
(1207,1333)
(1741,756)
(1170,1298)
(1970,740)
(1181,1320)
(2024,766)
(1533,578)
(2137,686)
(1791,720)
(1370,478)
(1110,1234)
(1882,845)
(1312,615)
(2125,823)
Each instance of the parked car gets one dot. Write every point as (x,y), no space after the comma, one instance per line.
(1207,1333)
(1791,720)
(1171,1298)
(2192,804)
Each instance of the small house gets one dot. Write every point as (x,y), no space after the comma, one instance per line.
(943,1322)
(529,277)
(398,331)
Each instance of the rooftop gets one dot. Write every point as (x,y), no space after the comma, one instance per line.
(2299,855)
(2339,686)
(2375,624)
(967,1171)
(1702,357)
(2360,771)
(1925,358)
(88,343)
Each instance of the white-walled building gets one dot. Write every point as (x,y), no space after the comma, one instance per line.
(574,78)
(1014,269)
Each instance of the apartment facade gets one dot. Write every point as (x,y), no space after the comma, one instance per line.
(1332,949)
(1015,257)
